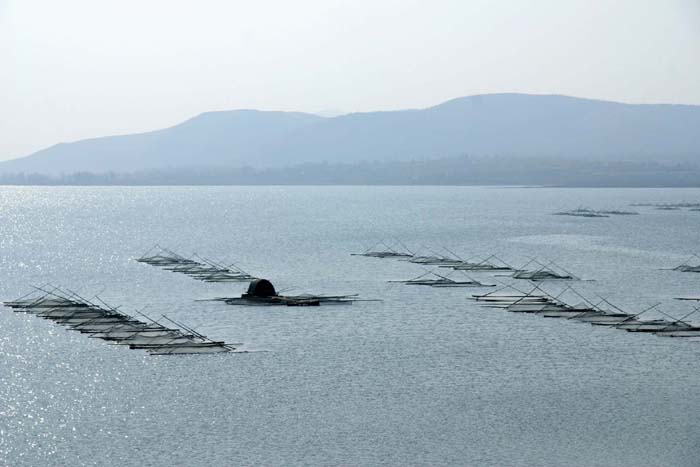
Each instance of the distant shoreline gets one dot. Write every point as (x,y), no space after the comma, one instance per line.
(454,171)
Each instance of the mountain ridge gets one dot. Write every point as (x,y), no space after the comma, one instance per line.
(501,124)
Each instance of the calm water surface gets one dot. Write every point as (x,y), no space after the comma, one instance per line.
(425,377)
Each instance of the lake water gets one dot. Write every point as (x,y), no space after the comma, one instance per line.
(425,377)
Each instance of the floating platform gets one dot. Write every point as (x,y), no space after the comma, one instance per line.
(261,292)
(101,321)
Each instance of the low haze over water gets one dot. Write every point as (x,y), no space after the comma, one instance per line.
(425,377)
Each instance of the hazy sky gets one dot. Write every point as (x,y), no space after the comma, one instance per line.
(73,69)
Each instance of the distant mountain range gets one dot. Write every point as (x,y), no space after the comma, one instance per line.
(502,125)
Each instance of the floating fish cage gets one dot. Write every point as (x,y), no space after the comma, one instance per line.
(543,272)
(434,279)
(386,250)
(489,264)
(692,264)
(536,301)
(581,212)
(197,267)
(588,212)
(451,261)
(261,292)
(690,206)
(101,321)
(434,260)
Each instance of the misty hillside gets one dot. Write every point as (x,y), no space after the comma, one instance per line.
(513,125)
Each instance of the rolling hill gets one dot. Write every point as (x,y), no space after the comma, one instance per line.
(509,125)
